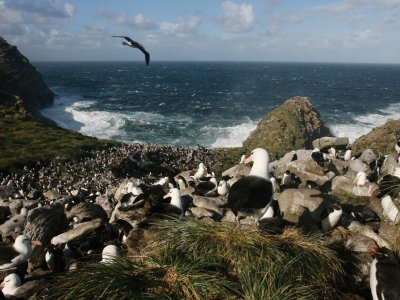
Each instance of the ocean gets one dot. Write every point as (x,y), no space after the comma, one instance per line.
(214,104)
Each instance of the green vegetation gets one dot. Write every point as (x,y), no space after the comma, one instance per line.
(25,140)
(293,125)
(189,259)
(227,157)
(380,139)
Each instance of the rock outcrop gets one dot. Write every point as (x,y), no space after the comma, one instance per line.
(381,139)
(293,125)
(20,78)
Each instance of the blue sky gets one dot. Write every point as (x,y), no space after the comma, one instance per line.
(352,31)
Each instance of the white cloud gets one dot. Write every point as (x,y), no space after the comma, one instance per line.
(352,10)
(182,28)
(118,18)
(69,9)
(344,9)
(9,15)
(44,8)
(362,39)
(237,17)
(140,21)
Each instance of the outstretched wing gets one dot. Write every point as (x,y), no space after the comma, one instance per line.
(135,44)
(125,37)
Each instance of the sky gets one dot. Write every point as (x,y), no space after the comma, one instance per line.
(348,31)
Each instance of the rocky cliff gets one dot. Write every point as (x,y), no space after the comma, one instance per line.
(293,125)
(20,78)
(380,139)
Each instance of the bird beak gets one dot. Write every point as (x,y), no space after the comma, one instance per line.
(248,160)
(373,250)
(36,243)
(2,284)
(167,196)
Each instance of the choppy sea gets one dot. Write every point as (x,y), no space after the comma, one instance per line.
(214,104)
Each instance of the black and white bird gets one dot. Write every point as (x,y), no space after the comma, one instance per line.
(318,157)
(223,188)
(255,190)
(362,213)
(384,277)
(330,217)
(397,146)
(347,155)
(207,187)
(134,44)
(54,258)
(174,207)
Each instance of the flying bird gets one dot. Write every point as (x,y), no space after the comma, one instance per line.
(133,44)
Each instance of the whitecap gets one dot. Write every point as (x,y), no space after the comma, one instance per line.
(71,113)
(231,136)
(363,124)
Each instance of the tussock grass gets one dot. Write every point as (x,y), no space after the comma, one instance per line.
(24,140)
(190,259)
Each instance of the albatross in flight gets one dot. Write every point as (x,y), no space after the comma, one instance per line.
(133,44)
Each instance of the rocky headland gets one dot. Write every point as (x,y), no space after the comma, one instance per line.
(101,197)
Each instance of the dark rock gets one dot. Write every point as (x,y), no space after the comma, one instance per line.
(19,77)
(43,223)
(86,211)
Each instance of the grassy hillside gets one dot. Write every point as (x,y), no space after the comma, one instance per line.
(25,140)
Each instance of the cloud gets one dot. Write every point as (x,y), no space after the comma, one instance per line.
(69,9)
(342,9)
(118,18)
(140,21)
(44,8)
(237,18)
(351,10)
(182,28)
(9,15)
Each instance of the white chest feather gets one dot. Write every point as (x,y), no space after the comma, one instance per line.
(331,220)
(373,282)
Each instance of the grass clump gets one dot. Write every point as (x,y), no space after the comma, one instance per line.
(189,259)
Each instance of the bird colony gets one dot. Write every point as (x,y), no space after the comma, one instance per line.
(54,214)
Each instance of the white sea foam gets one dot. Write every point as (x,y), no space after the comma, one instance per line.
(363,124)
(232,136)
(74,115)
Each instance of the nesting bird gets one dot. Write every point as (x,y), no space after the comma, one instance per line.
(361,179)
(223,188)
(384,274)
(255,190)
(10,285)
(331,217)
(347,155)
(207,188)
(17,254)
(109,253)
(54,258)
(318,157)
(13,289)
